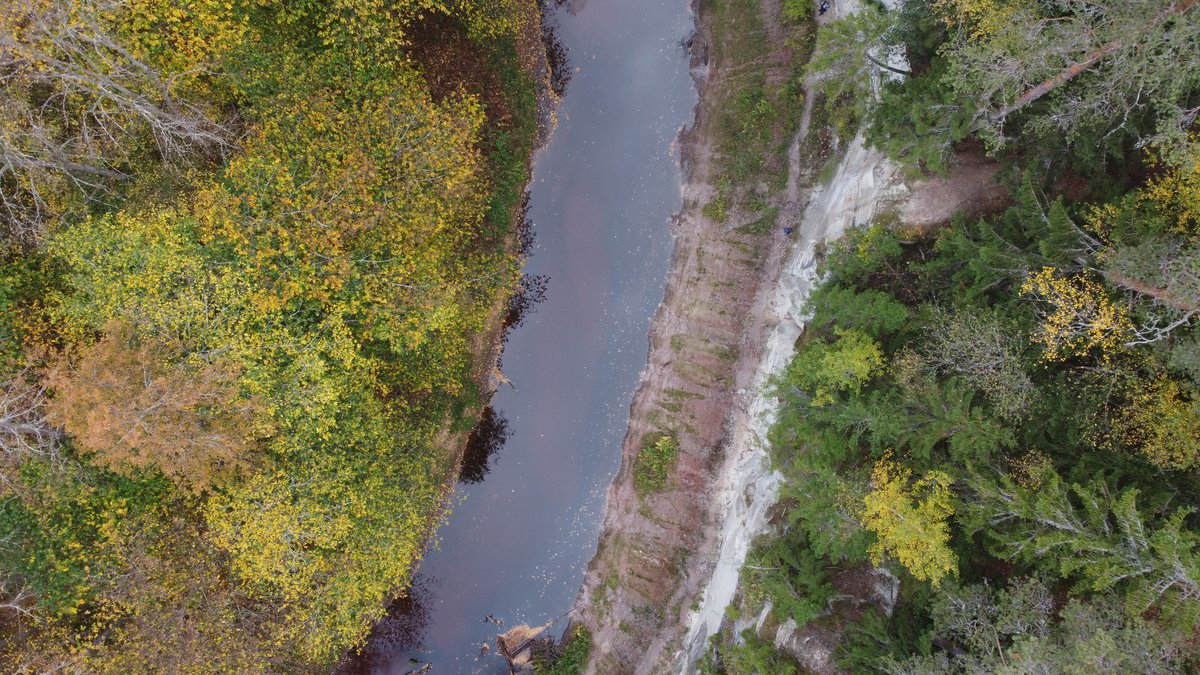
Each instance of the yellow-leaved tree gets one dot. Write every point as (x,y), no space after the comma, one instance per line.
(1081,316)
(1160,418)
(1177,191)
(909,519)
(984,17)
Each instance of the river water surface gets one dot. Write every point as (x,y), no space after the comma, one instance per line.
(603,190)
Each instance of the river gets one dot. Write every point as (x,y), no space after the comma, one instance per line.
(603,191)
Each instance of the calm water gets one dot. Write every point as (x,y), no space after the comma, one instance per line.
(517,543)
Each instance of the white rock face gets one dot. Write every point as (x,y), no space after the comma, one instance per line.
(748,487)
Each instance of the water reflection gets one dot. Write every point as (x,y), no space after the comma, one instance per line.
(530,293)
(401,631)
(486,438)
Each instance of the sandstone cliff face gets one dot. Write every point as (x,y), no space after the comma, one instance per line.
(668,563)
(864,184)
(706,338)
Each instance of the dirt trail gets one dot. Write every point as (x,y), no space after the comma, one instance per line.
(970,186)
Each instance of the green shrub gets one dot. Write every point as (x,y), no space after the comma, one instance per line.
(653,463)
(573,657)
(795,11)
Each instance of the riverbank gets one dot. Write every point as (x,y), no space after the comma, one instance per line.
(740,192)
(514,82)
(603,190)
(524,111)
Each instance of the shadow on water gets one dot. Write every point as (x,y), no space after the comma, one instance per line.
(486,439)
(556,54)
(531,291)
(524,227)
(401,630)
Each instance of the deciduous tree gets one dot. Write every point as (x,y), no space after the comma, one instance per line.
(824,370)
(910,520)
(1157,416)
(1081,315)
(79,100)
(979,348)
(1016,628)
(134,405)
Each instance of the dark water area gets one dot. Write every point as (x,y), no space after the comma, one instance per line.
(526,519)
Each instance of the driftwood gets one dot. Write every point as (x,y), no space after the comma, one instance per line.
(514,645)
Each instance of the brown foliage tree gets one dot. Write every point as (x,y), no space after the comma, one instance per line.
(129,402)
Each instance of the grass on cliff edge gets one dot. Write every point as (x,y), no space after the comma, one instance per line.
(569,658)
(755,118)
(653,464)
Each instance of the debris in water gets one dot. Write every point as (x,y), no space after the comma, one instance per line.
(515,644)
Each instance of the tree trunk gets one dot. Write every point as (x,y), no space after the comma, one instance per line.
(1071,71)
(1160,294)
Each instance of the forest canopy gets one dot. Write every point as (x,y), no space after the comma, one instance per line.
(245,250)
